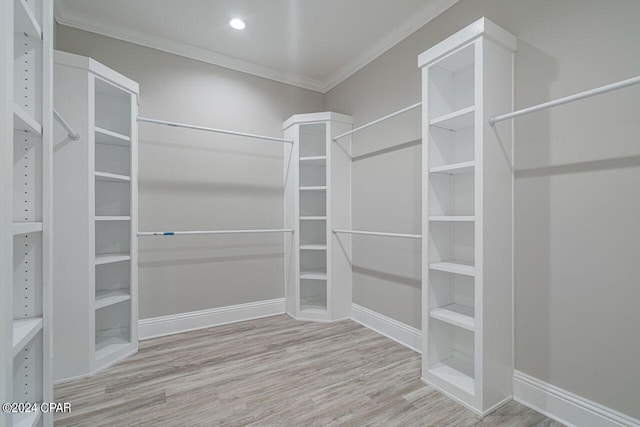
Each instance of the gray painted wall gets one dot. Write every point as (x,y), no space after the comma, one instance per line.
(577,189)
(190,180)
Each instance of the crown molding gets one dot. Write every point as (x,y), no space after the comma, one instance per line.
(417,20)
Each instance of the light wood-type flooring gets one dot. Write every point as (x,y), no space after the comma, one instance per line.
(272,372)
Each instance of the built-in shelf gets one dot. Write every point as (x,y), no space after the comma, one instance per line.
(318,161)
(27,419)
(24,121)
(313,275)
(455,168)
(454,266)
(313,188)
(452,218)
(456,372)
(108,137)
(111,258)
(455,314)
(108,345)
(111,177)
(25,20)
(113,218)
(455,121)
(313,247)
(313,218)
(107,298)
(26,227)
(23,331)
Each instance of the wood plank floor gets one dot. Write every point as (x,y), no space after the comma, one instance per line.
(272,372)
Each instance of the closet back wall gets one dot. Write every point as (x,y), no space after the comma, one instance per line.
(192,180)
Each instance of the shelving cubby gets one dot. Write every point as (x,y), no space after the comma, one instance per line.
(467,282)
(98,194)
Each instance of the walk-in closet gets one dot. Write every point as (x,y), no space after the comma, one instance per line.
(319,213)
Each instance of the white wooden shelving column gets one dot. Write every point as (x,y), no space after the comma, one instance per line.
(467,183)
(317,200)
(25,200)
(96,217)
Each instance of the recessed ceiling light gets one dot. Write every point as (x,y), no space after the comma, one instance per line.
(237,24)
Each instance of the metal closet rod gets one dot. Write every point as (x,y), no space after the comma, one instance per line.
(377,233)
(571,98)
(206,129)
(191,233)
(73,135)
(381,119)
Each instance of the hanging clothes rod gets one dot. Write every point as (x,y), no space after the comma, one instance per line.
(571,98)
(191,233)
(206,129)
(73,135)
(376,233)
(381,119)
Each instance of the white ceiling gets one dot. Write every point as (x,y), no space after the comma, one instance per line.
(314,44)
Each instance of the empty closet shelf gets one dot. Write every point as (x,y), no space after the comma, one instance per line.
(111,258)
(109,344)
(455,121)
(27,419)
(313,275)
(104,136)
(455,266)
(23,331)
(457,372)
(314,160)
(313,188)
(313,247)
(456,315)
(452,218)
(26,227)
(113,218)
(313,218)
(107,298)
(111,177)
(25,20)
(25,122)
(455,168)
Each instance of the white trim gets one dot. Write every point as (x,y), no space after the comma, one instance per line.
(564,406)
(416,21)
(399,332)
(184,322)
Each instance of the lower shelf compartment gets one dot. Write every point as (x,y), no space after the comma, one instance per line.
(457,372)
(27,419)
(109,342)
(24,330)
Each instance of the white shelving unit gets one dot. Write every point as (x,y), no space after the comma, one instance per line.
(317,199)
(96,217)
(26,118)
(467,176)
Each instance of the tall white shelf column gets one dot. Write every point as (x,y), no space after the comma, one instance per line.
(26,237)
(317,200)
(96,214)
(467,225)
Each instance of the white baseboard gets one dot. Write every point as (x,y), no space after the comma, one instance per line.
(564,406)
(399,332)
(184,322)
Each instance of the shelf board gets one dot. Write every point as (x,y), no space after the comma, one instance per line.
(109,345)
(314,188)
(107,298)
(455,121)
(27,419)
(455,168)
(313,309)
(111,177)
(112,218)
(25,20)
(23,331)
(319,161)
(108,137)
(313,275)
(111,258)
(313,218)
(452,218)
(455,372)
(456,315)
(23,121)
(26,227)
(313,247)
(454,266)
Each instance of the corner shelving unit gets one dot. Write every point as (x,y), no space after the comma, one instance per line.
(96,217)
(26,237)
(317,199)
(467,195)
